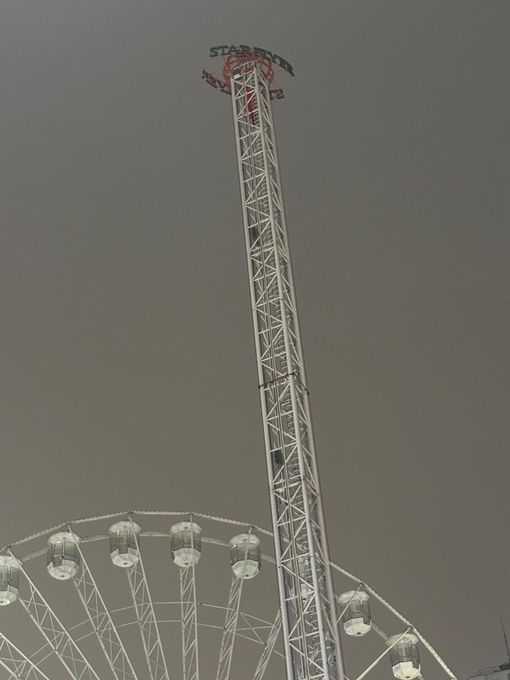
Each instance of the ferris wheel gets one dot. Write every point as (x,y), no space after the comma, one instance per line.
(162,595)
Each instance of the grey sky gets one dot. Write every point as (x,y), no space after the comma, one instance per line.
(126,357)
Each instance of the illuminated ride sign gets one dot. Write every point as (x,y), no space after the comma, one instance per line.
(235,55)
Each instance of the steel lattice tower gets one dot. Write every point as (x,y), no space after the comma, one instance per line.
(305,586)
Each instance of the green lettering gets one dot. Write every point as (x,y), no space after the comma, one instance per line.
(285,65)
(213,51)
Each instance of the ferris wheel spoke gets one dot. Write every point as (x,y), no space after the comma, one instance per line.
(230,629)
(380,632)
(189,623)
(102,622)
(55,633)
(268,647)
(146,617)
(16,663)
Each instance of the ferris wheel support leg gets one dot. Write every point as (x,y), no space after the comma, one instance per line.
(55,633)
(16,663)
(230,629)
(189,623)
(102,622)
(146,617)
(268,647)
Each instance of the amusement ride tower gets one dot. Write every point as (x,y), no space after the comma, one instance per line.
(307,601)
(102,626)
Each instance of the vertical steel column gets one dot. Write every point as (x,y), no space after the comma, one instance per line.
(305,584)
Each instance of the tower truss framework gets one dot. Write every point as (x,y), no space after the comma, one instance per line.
(305,586)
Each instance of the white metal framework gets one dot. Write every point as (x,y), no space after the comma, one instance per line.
(189,623)
(102,622)
(304,634)
(57,637)
(16,664)
(73,649)
(268,646)
(148,625)
(230,629)
(306,595)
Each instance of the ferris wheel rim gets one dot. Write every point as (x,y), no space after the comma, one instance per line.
(128,513)
(7,549)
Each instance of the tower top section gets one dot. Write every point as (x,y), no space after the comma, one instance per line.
(236,57)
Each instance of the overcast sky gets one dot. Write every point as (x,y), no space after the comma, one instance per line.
(126,356)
